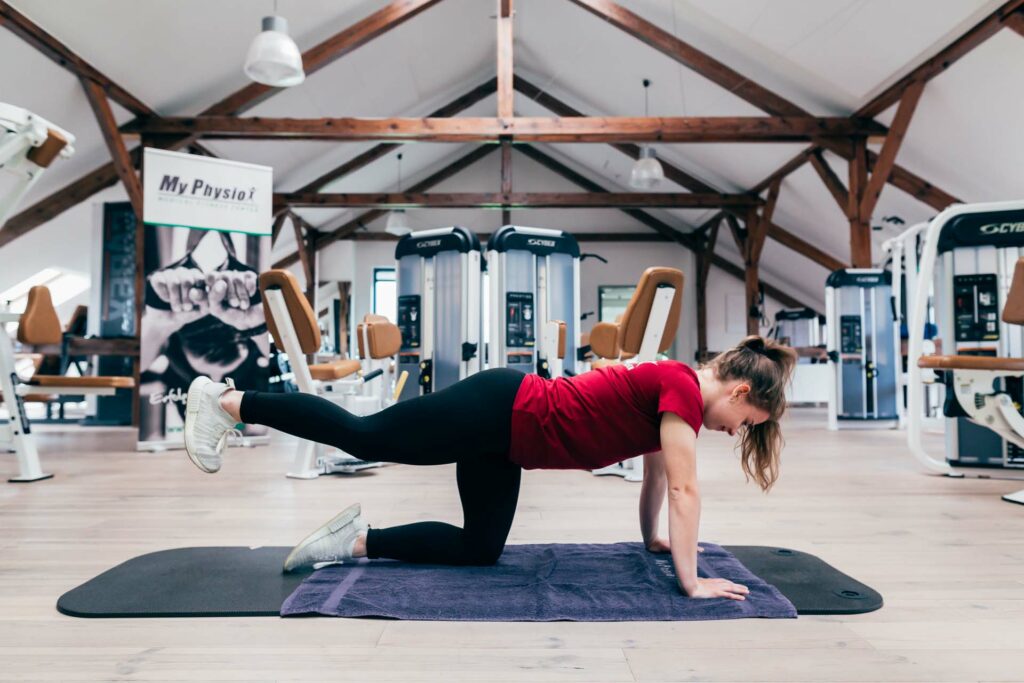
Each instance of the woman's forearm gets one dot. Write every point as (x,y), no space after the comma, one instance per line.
(683,522)
(652,493)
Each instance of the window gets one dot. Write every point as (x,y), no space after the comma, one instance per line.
(612,301)
(385,293)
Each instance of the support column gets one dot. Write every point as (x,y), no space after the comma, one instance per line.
(860,227)
(704,258)
(506,178)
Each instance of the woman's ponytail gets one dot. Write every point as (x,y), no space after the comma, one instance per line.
(767,366)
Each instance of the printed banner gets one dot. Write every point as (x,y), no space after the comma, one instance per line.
(193,191)
(202,316)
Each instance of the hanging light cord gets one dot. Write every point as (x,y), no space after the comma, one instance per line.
(399,173)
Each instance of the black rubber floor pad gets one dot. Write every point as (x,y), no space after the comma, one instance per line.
(248,582)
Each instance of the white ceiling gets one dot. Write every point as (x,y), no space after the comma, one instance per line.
(828,56)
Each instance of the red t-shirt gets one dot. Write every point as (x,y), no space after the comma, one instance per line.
(602,416)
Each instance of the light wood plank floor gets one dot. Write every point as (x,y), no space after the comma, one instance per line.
(947,555)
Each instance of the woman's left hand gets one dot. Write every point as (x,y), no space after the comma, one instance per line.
(659,545)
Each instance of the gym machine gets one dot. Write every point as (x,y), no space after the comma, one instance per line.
(38,328)
(804,330)
(439,290)
(858,322)
(534,288)
(28,145)
(901,254)
(361,387)
(971,261)
(799,328)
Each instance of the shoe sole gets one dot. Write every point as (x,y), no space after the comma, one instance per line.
(194,391)
(337,522)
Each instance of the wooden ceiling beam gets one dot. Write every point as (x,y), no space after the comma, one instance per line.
(804,248)
(517,200)
(580,237)
(890,148)
(506,94)
(831,180)
(122,160)
(313,59)
(686,54)
(521,129)
(457,105)
(59,53)
(688,240)
(559,108)
(676,175)
(945,58)
(63,199)
(1015,22)
(325,239)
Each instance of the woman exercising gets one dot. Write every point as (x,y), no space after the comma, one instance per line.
(499,422)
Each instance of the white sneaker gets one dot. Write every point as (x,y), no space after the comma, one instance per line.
(207,425)
(333,542)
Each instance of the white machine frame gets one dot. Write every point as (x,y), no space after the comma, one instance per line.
(20,131)
(16,435)
(902,250)
(984,406)
(311,459)
(471,330)
(548,330)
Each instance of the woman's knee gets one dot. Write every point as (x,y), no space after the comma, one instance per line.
(483,554)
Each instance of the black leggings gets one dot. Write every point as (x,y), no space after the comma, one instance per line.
(468,423)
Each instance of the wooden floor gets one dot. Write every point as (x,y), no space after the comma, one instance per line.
(947,555)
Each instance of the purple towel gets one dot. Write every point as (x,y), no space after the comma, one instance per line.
(572,582)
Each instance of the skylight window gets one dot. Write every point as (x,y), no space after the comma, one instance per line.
(64,286)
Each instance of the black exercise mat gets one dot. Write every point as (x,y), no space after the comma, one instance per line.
(248,582)
(812,585)
(188,582)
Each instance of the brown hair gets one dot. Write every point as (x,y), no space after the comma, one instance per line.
(766,365)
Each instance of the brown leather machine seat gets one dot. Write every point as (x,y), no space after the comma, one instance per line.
(634,320)
(81,382)
(339,369)
(39,325)
(622,339)
(35,398)
(971,363)
(1013,309)
(303,320)
(384,337)
(561,338)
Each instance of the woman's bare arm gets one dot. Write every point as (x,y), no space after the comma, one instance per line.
(679,445)
(652,494)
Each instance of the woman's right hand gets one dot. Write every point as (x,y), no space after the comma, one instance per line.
(719,588)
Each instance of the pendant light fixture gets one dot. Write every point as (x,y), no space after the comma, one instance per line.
(274,58)
(396,224)
(647,172)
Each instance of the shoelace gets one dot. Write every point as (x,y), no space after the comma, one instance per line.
(222,442)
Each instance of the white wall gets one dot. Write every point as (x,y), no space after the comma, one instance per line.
(726,302)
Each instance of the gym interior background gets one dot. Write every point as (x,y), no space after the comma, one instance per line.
(812,168)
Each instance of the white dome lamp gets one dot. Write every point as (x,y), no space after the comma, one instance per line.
(274,58)
(396,224)
(647,172)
